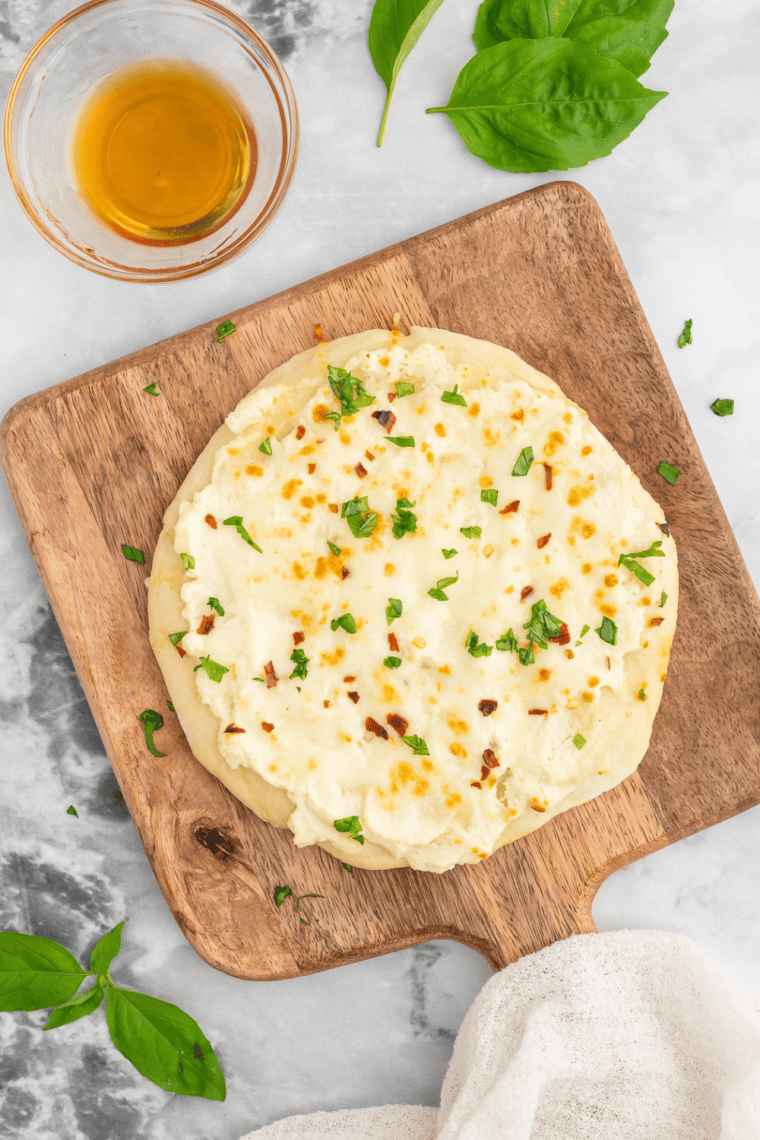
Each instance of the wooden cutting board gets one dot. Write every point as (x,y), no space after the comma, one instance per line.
(94,462)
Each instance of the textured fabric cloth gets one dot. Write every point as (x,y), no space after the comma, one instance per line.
(632,1035)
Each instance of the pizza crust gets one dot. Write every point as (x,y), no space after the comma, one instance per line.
(611,756)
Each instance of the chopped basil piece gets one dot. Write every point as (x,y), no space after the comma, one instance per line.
(132,554)
(722,407)
(524,462)
(391,662)
(266,446)
(454,397)
(652,551)
(642,695)
(361,521)
(417,745)
(471,531)
(685,336)
(282,893)
(349,392)
(475,650)
(507,642)
(335,549)
(212,668)
(226,328)
(71,810)
(305,921)
(642,574)
(441,585)
(393,610)
(526,655)
(449,553)
(301,661)
(542,625)
(608,631)
(489,496)
(152,391)
(175,638)
(403,519)
(404,389)
(579,741)
(346,866)
(668,472)
(215,605)
(152,721)
(352,825)
(345,621)
(261,679)
(663,599)
(188,561)
(170,706)
(401,440)
(584,631)
(237,522)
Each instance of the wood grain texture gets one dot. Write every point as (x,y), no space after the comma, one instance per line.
(94,462)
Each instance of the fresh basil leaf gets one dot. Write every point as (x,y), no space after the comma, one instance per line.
(449,553)
(668,472)
(401,440)
(417,745)
(164,1044)
(305,921)
(212,668)
(454,397)
(132,554)
(393,610)
(524,462)
(82,1005)
(35,973)
(629,31)
(175,638)
(507,643)
(403,518)
(226,328)
(404,389)
(335,549)
(71,810)
(215,604)
(266,446)
(152,721)
(608,631)
(188,561)
(352,825)
(301,662)
(237,522)
(394,29)
(663,599)
(391,662)
(475,649)
(534,105)
(471,531)
(685,337)
(106,949)
(345,621)
(281,893)
(579,741)
(490,495)
(152,391)
(642,574)
(722,407)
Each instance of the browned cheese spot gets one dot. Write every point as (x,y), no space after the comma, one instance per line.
(608,610)
(486,482)
(610,580)
(298,571)
(544,674)
(656,621)
(555,441)
(586,568)
(318,413)
(474,409)
(333,507)
(439,429)
(588,698)
(290,488)
(569,654)
(586,450)
(368,455)
(307,502)
(253,469)
(559,587)
(537,806)
(389,693)
(592,682)
(390,569)
(518,415)
(334,657)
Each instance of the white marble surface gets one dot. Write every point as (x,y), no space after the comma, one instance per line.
(681,198)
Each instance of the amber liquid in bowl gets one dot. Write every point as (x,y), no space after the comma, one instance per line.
(162,153)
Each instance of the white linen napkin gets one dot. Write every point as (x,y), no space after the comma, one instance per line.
(631,1035)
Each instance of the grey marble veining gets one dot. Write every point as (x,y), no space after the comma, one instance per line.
(681,198)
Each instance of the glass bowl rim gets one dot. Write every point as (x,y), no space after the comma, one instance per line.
(288,111)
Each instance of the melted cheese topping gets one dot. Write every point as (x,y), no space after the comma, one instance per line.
(560,545)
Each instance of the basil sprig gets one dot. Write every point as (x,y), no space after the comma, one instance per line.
(152,721)
(629,33)
(352,826)
(349,392)
(394,29)
(164,1044)
(361,520)
(237,522)
(403,519)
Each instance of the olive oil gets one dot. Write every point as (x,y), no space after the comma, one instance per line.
(162,153)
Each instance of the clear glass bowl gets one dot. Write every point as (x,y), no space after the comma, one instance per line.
(80,51)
